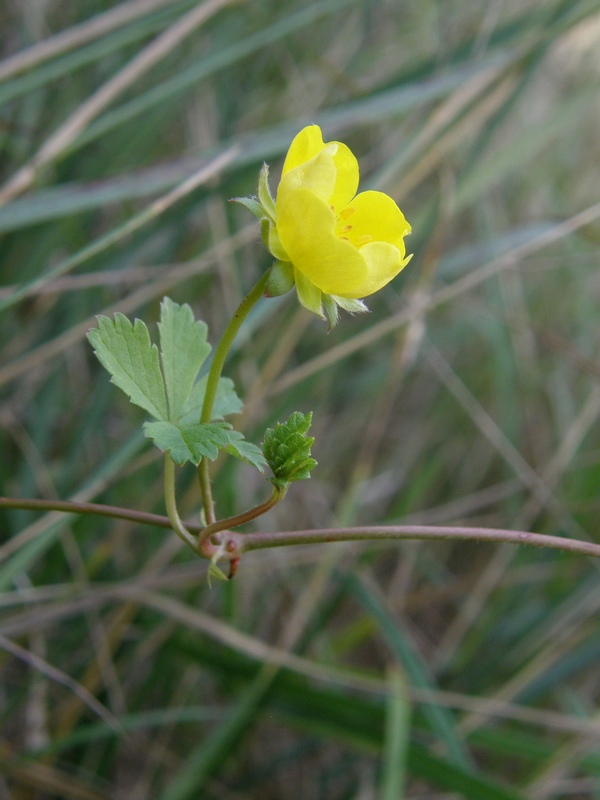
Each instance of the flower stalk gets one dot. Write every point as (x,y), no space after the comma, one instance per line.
(212,384)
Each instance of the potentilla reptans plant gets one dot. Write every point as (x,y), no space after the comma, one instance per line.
(334,247)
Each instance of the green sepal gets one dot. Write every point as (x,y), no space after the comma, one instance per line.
(309,295)
(265,227)
(263,206)
(252,204)
(281,279)
(264,193)
(331,310)
(286,448)
(332,303)
(352,306)
(272,241)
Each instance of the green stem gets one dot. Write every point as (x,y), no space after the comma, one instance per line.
(171,504)
(240,519)
(212,383)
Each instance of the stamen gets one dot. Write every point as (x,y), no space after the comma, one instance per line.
(347,212)
(360,240)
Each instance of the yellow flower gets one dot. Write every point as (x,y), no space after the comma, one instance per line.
(338,243)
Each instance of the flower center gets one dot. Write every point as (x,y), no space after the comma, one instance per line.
(345,230)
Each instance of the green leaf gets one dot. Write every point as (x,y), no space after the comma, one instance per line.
(246,451)
(133,362)
(183,350)
(126,351)
(189,442)
(174,401)
(226,401)
(287,449)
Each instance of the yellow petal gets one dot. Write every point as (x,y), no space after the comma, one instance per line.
(306,227)
(346,182)
(374,217)
(384,261)
(306,146)
(318,174)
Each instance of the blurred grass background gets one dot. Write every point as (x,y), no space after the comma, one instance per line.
(468,395)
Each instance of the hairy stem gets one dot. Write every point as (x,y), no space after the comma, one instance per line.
(212,383)
(244,543)
(94,509)
(260,541)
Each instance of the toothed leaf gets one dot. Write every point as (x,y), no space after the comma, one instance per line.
(183,350)
(125,350)
(189,442)
(226,401)
(246,451)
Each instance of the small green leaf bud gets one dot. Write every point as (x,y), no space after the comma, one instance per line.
(287,449)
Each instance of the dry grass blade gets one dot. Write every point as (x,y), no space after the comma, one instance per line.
(58,676)
(202,176)
(77,35)
(63,138)
(461,410)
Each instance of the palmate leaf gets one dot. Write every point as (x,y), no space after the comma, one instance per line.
(183,350)
(126,351)
(171,395)
(189,442)
(226,401)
